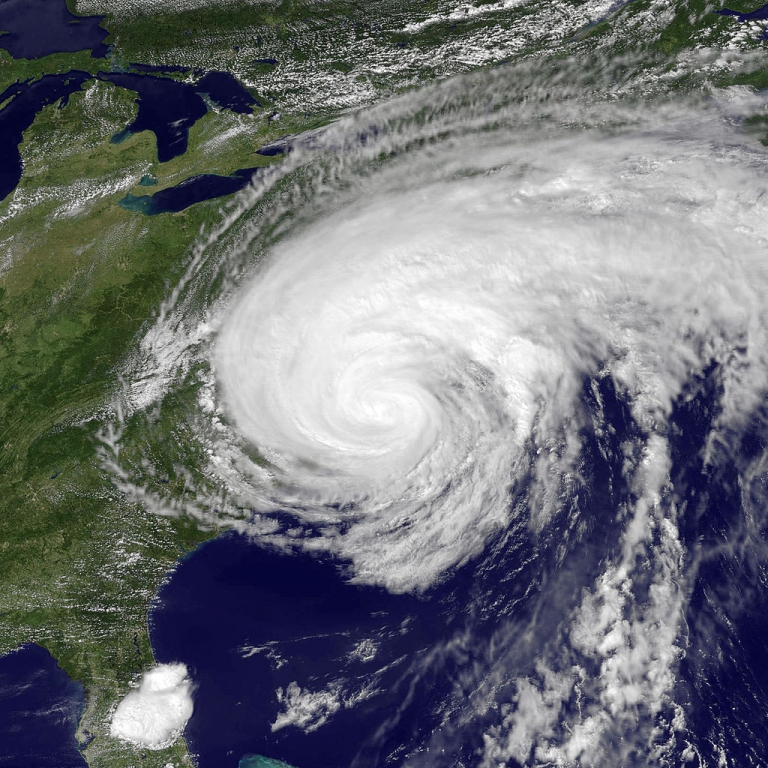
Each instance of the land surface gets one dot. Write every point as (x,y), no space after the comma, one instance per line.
(80,276)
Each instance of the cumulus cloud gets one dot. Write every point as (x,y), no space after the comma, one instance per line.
(305,709)
(154,714)
(620,662)
(309,710)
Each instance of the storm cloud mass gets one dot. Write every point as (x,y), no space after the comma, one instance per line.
(409,336)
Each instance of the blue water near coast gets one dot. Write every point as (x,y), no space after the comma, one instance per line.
(295,663)
(254,625)
(196,189)
(39,711)
(168,108)
(759,14)
(292,662)
(224,90)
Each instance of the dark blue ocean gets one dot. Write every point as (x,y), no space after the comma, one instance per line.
(253,624)
(310,627)
(39,711)
(232,595)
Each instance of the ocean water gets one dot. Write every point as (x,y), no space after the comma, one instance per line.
(248,622)
(293,662)
(40,707)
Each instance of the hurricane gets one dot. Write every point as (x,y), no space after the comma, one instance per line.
(501,340)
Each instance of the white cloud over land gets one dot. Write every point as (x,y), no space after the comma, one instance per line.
(153,715)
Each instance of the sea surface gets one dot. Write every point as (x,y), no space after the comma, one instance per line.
(293,662)
(378,673)
(248,622)
(39,711)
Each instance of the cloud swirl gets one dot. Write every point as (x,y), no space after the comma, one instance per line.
(407,359)
(400,344)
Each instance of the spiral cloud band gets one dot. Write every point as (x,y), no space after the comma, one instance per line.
(412,344)
(403,359)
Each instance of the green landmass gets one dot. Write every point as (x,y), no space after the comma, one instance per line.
(18,70)
(80,276)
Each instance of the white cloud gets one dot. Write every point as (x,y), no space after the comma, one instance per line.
(409,361)
(306,709)
(309,710)
(154,714)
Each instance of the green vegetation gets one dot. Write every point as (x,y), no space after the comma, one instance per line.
(233,36)
(80,276)
(79,564)
(14,70)
(143,38)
